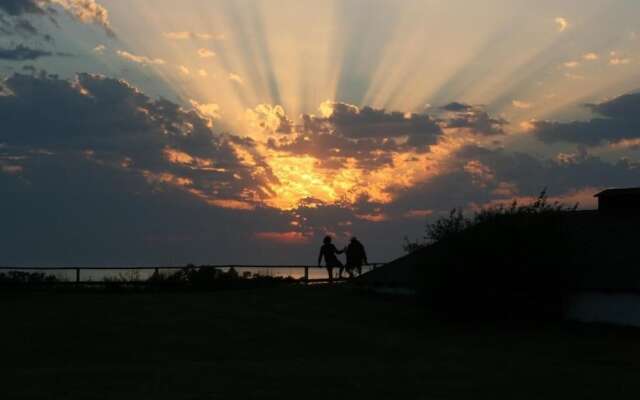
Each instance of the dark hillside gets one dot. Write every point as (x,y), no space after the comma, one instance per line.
(518,261)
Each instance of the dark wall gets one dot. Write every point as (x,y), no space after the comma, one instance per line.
(619,204)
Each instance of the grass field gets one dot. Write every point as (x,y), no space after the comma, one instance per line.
(295,343)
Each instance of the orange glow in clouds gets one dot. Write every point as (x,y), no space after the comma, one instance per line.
(284,237)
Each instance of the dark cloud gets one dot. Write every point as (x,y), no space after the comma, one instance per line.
(65,209)
(563,173)
(507,175)
(23,53)
(619,120)
(25,27)
(621,107)
(21,7)
(372,136)
(457,107)
(15,14)
(333,150)
(68,210)
(112,123)
(22,27)
(476,176)
(368,135)
(473,118)
(92,171)
(78,195)
(350,121)
(478,122)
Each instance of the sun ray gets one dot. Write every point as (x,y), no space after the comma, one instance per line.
(253,64)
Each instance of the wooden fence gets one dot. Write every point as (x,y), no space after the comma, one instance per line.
(79,281)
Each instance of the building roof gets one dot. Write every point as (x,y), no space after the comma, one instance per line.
(619,192)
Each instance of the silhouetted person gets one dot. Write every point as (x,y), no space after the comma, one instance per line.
(329,252)
(356,256)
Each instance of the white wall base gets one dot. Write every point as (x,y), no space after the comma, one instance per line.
(618,309)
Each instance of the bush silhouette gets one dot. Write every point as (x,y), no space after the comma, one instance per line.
(206,278)
(20,278)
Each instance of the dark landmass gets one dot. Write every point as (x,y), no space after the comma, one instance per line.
(295,342)
(519,261)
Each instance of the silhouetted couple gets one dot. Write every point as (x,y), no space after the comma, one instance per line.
(356,257)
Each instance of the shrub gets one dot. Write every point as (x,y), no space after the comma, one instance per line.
(206,278)
(20,278)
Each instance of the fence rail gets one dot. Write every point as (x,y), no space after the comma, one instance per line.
(305,278)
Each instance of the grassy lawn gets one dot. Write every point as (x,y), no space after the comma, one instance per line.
(294,343)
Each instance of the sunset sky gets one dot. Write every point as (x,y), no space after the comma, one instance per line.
(243,131)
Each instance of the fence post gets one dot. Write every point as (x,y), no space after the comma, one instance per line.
(306,275)
(77,275)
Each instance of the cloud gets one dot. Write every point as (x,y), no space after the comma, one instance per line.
(573,77)
(290,237)
(475,176)
(186,35)
(344,153)
(84,11)
(21,7)
(145,182)
(619,119)
(88,12)
(184,70)
(209,111)
(590,56)
(270,119)
(115,217)
(178,35)
(333,152)
(208,36)
(521,104)
(139,59)
(344,137)
(235,78)
(481,174)
(158,180)
(619,61)
(422,214)
(367,122)
(149,179)
(206,53)
(23,53)
(571,64)
(14,21)
(476,121)
(561,23)
(100,49)
(155,139)
(457,107)
(527,175)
